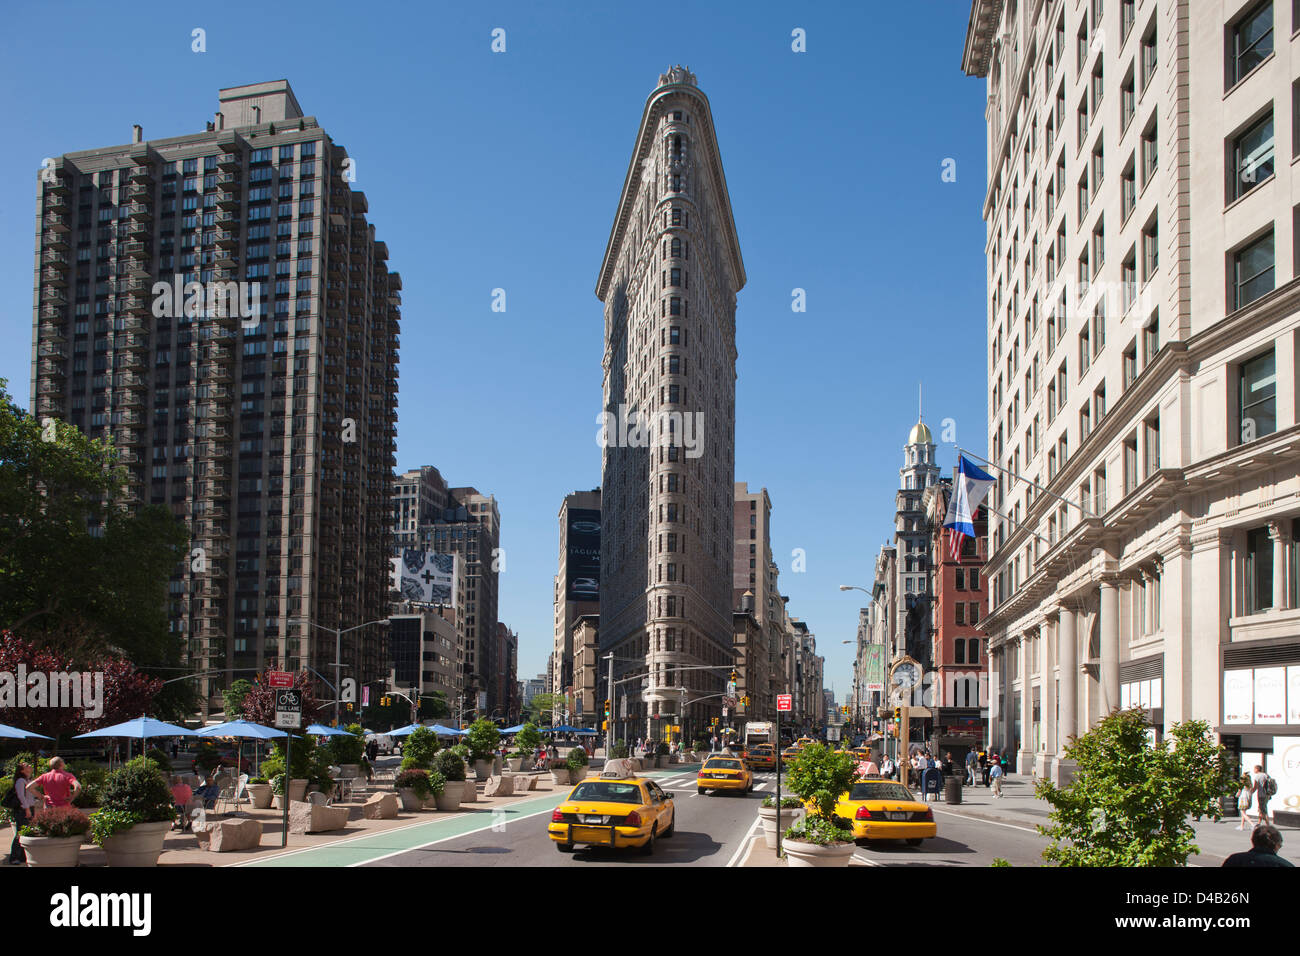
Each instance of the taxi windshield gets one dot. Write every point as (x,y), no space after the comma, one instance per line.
(603,791)
(879,790)
(723,764)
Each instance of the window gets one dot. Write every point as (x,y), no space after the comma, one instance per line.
(1099,403)
(1150,340)
(1085,422)
(1128,279)
(1150,250)
(1250,42)
(1098,167)
(1098,245)
(1127,14)
(959,647)
(1098,87)
(1130,365)
(1127,101)
(1151,443)
(1085,351)
(1128,190)
(1251,161)
(1259,571)
(1150,154)
(1252,271)
(1148,57)
(1257,399)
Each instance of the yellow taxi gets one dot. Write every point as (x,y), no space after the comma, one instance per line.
(760,757)
(724,773)
(803,741)
(789,755)
(882,809)
(863,754)
(615,810)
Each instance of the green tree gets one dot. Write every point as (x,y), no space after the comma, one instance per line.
(528,739)
(419,749)
(83,572)
(543,706)
(234,698)
(821,776)
(1129,802)
(483,739)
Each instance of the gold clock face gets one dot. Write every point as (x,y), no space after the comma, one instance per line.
(906,675)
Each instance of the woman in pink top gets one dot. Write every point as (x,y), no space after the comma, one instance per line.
(58,786)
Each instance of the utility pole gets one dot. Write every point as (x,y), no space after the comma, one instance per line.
(609,721)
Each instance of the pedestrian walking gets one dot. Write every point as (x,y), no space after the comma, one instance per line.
(58,787)
(887,767)
(970,768)
(995,774)
(983,761)
(1264,787)
(1245,797)
(22,807)
(1265,841)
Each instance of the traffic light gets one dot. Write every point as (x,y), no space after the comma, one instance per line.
(604,725)
(898,713)
(607,708)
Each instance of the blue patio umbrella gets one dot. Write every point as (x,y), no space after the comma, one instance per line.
(565,729)
(320,730)
(513,730)
(241,730)
(404,731)
(444,731)
(16,733)
(141,729)
(585,733)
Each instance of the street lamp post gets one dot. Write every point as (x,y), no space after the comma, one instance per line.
(338,657)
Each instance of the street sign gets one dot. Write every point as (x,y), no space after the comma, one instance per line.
(279,679)
(784,702)
(288,709)
(724,712)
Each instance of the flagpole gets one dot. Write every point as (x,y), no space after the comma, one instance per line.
(1046,491)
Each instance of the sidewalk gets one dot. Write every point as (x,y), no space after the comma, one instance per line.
(1019,807)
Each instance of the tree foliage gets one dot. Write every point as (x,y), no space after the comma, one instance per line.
(420,747)
(81,574)
(821,776)
(127,692)
(1129,802)
(541,708)
(483,739)
(233,698)
(259,702)
(529,738)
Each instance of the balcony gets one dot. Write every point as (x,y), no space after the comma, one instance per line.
(46,387)
(54,276)
(227,239)
(134,304)
(211,451)
(57,186)
(132,323)
(215,411)
(53,332)
(139,193)
(228,199)
(130,399)
(136,249)
(57,222)
(139,210)
(141,173)
(128,456)
(50,350)
(55,202)
(58,260)
(228,161)
(50,405)
(55,238)
(54,295)
(128,437)
(132,342)
(139,229)
(52,367)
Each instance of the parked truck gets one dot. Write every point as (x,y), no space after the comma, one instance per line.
(759,732)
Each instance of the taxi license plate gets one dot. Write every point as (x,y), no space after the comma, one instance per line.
(590,835)
(897,815)
(592,818)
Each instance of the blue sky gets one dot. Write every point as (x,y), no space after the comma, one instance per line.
(833,157)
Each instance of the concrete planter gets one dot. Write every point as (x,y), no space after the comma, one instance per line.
(449,799)
(516,764)
(798,853)
(577,776)
(560,776)
(139,846)
(410,801)
(260,794)
(482,769)
(789,817)
(661,760)
(51,851)
(470,793)
(297,793)
(496,766)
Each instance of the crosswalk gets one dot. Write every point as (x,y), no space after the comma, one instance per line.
(686,783)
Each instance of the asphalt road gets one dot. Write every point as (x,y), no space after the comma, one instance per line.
(710,829)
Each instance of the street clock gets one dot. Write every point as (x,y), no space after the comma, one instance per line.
(906,674)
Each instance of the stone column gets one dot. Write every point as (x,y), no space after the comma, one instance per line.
(1109,613)
(1067,652)
(1148,594)
(1025,756)
(994,663)
(1043,759)
(1280,534)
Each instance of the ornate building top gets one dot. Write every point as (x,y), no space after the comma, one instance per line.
(678,74)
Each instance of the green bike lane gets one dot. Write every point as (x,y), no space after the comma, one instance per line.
(362,849)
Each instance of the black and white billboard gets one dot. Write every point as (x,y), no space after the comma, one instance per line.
(582,556)
(426,577)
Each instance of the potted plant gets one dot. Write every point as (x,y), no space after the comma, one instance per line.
(54,836)
(661,755)
(819,776)
(577,764)
(483,739)
(259,791)
(528,740)
(135,814)
(419,750)
(347,751)
(470,794)
(437,782)
(452,769)
(792,810)
(516,761)
(412,787)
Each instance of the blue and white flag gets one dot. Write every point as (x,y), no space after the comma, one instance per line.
(969,490)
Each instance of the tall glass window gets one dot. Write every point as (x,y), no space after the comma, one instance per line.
(1251,42)
(1257,403)
(1252,158)
(1252,271)
(1259,571)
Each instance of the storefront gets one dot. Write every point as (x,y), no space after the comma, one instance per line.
(1261,714)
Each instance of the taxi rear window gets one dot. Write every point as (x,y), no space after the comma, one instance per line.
(723,764)
(879,791)
(606,792)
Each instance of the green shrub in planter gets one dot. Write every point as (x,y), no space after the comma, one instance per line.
(92,779)
(528,739)
(420,747)
(662,749)
(277,784)
(577,760)
(787,803)
(134,793)
(57,822)
(701,745)
(259,780)
(820,775)
(158,757)
(349,748)
(450,765)
(417,780)
(819,831)
(437,783)
(483,739)
(520,754)
(619,751)
(272,767)
(461,751)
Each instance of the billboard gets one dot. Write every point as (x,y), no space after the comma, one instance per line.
(425,577)
(582,555)
(873,678)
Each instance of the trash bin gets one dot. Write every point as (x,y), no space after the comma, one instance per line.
(952,789)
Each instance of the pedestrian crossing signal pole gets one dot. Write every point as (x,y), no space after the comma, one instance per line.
(777,744)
